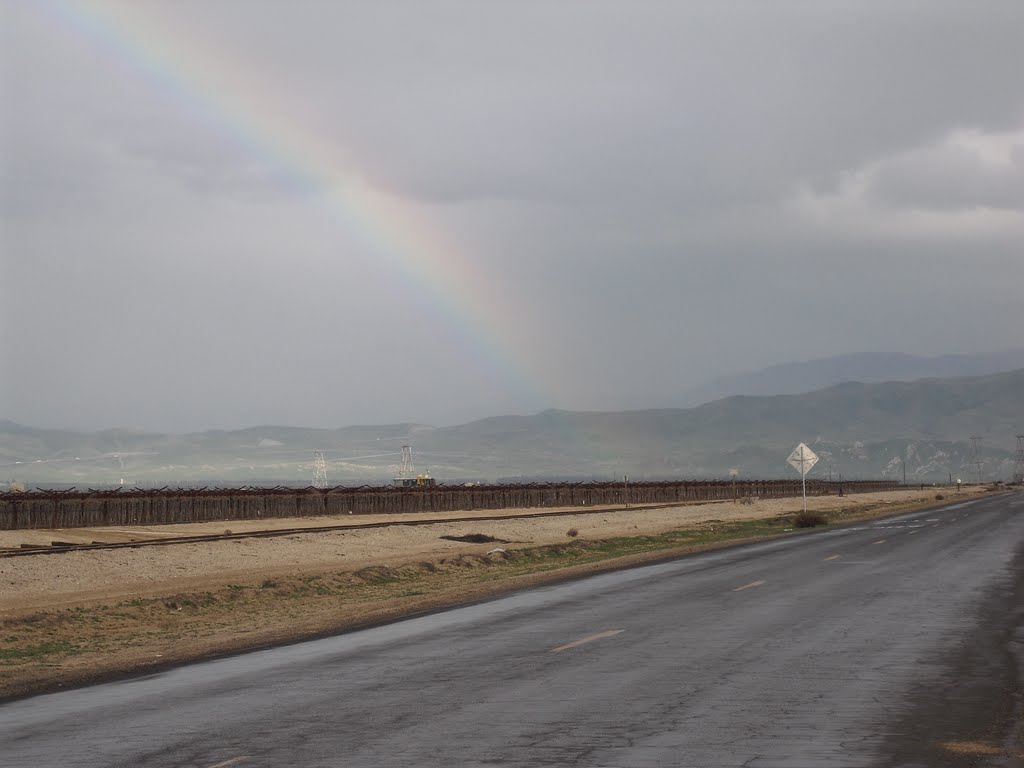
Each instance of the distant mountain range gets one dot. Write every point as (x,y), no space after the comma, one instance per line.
(867,368)
(859,430)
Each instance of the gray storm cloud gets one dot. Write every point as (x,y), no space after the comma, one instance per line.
(950,178)
(658,190)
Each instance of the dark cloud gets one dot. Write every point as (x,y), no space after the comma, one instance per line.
(212,221)
(695,105)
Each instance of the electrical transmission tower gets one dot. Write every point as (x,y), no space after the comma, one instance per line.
(407,469)
(976,459)
(319,470)
(1018,468)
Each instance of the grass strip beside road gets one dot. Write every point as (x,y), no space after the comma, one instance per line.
(54,648)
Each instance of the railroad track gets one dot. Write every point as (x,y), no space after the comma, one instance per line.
(61,547)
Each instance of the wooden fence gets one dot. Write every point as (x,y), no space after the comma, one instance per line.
(78,509)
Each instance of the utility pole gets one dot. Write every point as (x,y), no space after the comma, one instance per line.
(625,489)
(1018,467)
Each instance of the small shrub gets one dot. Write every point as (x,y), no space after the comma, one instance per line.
(939,497)
(268,584)
(572,533)
(378,574)
(809,520)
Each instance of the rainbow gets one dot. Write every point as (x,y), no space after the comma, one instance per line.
(211,86)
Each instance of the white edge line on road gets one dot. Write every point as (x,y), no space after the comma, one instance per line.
(582,640)
(232,761)
(749,586)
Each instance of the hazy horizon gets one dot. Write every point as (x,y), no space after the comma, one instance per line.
(749,376)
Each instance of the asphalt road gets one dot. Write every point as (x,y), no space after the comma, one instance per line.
(886,644)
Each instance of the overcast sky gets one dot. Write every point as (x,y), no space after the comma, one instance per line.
(224,214)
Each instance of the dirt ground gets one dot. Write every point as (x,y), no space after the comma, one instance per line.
(72,618)
(56,580)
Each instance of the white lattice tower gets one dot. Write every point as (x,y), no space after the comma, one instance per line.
(319,470)
(407,469)
(1018,468)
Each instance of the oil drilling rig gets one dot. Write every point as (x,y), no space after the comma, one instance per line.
(407,477)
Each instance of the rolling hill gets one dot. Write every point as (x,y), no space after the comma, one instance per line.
(866,367)
(859,429)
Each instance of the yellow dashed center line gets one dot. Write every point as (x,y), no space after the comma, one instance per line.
(832,557)
(749,586)
(881,541)
(588,639)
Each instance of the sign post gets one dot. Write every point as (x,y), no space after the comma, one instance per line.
(802,459)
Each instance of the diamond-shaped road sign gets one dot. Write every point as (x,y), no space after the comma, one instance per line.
(802,458)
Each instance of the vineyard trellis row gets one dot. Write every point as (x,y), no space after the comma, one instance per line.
(164,506)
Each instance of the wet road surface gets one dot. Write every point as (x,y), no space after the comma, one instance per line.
(884,644)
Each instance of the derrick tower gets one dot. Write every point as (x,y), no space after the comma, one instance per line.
(406,469)
(319,470)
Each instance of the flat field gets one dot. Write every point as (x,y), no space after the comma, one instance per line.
(73,617)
